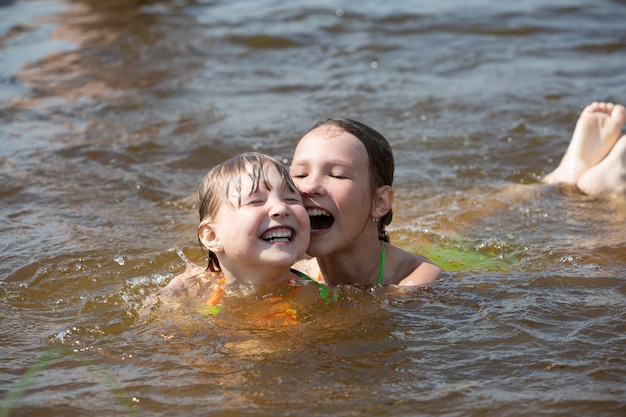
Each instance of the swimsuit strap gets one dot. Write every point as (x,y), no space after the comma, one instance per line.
(218,292)
(326,293)
(220,287)
(211,308)
(300,274)
(382,264)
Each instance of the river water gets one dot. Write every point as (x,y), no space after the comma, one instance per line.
(112,111)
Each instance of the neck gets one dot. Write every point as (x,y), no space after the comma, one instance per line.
(258,277)
(360,265)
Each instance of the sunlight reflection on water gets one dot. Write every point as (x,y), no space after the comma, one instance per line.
(112,112)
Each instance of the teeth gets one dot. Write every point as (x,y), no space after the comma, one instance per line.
(278,235)
(317,212)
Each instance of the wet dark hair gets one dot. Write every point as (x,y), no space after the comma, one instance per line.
(380,156)
(216,185)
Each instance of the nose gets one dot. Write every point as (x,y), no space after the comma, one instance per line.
(278,208)
(310,185)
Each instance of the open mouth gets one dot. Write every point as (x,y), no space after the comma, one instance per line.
(278,235)
(320,219)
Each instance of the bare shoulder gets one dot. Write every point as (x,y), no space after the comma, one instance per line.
(411,270)
(425,274)
(193,282)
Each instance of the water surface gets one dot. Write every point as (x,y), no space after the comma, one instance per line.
(111,113)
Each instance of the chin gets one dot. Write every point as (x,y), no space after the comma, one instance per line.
(281,262)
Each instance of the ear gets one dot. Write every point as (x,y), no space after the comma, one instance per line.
(382,201)
(208,237)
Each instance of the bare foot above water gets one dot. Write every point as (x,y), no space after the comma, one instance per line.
(609,176)
(597,130)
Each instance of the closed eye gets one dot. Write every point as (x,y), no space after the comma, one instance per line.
(253,202)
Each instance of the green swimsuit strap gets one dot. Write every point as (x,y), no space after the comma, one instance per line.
(382,264)
(303,275)
(326,293)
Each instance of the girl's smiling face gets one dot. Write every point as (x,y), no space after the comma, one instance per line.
(331,170)
(259,229)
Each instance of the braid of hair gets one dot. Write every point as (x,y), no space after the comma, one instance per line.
(382,233)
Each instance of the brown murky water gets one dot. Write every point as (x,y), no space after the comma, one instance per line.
(111,112)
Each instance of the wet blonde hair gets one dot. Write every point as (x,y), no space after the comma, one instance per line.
(225,178)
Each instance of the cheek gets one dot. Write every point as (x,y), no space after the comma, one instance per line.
(244,227)
(352,196)
(303,217)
